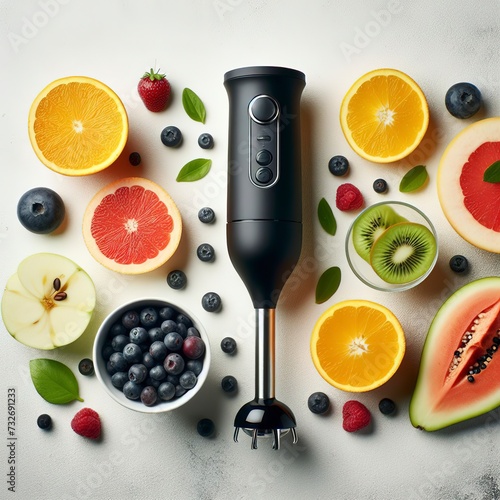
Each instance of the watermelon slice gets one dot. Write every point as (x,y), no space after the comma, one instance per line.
(472,205)
(460,368)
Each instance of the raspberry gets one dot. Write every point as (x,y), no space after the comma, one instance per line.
(355,415)
(349,197)
(87,423)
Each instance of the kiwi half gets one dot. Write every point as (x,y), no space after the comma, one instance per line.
(403,252)
(370,225)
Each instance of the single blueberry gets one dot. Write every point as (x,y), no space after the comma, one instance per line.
(318,403)
(119,342)
(148,361)
(132,353)
(387,406)
(193,347)
(206,252)
(206,215)
(134,159)
(228,345)
(155,334)
(158,350)
(185,320)
(229,383)
(107,350)
(132,390)
(110,368)
(151,381)
(459,264)
(130,319)
(169,325)
(157,372)
(463,100)
(206,141)
(380,186)
(182,330)
(192,332)
(149,396)
(194,365)
(139,335)
(176,279)
(86,367)
(118,329)
(179,391)
(119,379)
(171,136)
(40,210)
(137,373)
(338,165)
(166,391)
(173,341)
(166,313)
(148,317)
(188,380)
(118,362)
(173,379)
(174,364)
(44,421)
(205,427)
(211,302)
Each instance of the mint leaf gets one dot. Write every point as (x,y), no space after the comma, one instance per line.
(413,179)
(326,217)
(54,381)
(492,173)
(193,106)
(194,170)
(328,284)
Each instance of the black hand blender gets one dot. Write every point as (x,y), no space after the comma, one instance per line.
(264,219)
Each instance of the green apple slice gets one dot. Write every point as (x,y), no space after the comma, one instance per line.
(48,303)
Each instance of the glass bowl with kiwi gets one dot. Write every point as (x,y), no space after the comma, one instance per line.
(391,246)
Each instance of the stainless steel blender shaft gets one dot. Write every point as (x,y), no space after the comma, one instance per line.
(265,352)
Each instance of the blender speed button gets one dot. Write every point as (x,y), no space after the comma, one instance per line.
(264,175)
(263,157)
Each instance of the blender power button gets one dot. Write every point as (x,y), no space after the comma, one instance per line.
(263,109)
(264,175)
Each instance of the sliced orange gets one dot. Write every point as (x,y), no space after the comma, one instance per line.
(384,115)
(357,345)
(77,126)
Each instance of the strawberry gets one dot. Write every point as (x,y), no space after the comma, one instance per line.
(154,90)
(349,197)
(87,423)
(355,415)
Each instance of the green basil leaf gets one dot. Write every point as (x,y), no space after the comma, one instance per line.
(194,170)
(492,173)
(328,284)
(54,381)
(193,106)
(413,179)
(326,217)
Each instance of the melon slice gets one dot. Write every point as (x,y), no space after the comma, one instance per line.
(132,226)
(460,367)
(48,303)
(471,205)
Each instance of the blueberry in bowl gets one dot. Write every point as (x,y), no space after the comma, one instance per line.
(153,366)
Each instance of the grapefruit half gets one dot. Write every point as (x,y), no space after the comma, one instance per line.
(472,205)
(132,226)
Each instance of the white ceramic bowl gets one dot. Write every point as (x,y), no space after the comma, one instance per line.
(363,270)
(105,378)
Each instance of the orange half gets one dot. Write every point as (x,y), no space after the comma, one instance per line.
(357,345)
(77,126)
(384,115)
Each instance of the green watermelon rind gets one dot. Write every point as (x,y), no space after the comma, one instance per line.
(420,416)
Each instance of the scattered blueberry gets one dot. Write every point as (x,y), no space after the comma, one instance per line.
(132,353)
(134,159)
(174,364)
(137,373)
(188,380)
(158,350)
(387,406)
(206,252)
(149,395)
(205,427)
(86,367)
(40,210)
(318,403)
(119,379)
(148,317)
(173,341)
(228,345)
(44,421)
(171,136)
(193,347)
(463,100)
(338,165)
(206,141)
(130,319)
(459,264)
(176,279)
(380,186)
(166,391)
(132,390)
(206,215)
(229,383)
(211,302)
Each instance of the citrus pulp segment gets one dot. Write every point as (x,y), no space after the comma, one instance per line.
(132,226)
(77,126)
(384,115)
(472,205)
(357,345)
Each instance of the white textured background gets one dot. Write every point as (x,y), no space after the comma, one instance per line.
(333,43)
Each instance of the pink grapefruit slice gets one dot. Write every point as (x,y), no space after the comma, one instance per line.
(132,226)
(472,205)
